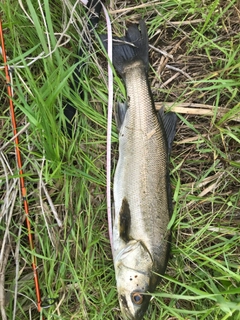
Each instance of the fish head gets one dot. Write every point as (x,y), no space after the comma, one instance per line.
(133,266)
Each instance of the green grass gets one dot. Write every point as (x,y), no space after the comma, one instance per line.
(74,261)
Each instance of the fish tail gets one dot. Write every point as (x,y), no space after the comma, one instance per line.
(130,48)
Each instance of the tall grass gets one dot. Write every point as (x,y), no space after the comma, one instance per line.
(66,176)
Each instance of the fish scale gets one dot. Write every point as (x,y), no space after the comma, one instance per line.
(141,173)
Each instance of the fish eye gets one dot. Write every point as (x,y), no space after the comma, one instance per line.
(137,298)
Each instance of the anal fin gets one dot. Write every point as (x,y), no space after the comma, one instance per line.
(120,112)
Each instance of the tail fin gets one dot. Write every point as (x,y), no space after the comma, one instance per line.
(133,46)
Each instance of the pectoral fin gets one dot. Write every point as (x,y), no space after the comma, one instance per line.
(125,221)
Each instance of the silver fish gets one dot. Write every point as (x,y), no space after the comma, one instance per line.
(142,195)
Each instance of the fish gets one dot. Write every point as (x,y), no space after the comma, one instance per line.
(141,186)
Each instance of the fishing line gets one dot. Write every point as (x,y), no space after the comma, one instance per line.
(109,123)
(20,170)
(92,4)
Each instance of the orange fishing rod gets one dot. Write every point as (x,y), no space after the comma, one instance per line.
(19,164)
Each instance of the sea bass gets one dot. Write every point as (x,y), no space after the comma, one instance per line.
(142,195)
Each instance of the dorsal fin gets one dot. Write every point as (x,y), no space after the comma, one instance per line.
(169,121)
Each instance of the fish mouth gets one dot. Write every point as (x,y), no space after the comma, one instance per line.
(136,314)
(127,315)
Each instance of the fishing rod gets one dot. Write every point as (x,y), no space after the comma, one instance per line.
(20,169)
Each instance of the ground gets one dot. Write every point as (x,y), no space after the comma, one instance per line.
(194,71)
